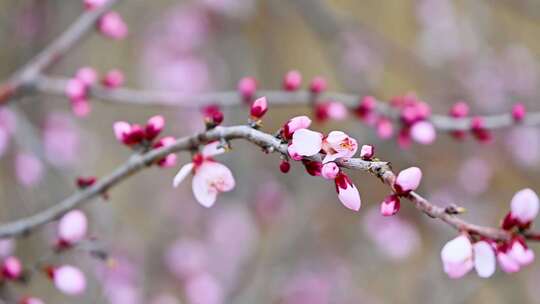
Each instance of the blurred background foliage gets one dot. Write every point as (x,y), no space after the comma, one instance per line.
(280,238)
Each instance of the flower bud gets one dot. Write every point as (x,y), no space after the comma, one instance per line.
(113,26)
(390,205)
(12,268)
(367,152)
(259,108)
(317,85)
(247,87)
(154,126)
(113,79)
(292,81)
(329,170)
(408,180)
(518,112)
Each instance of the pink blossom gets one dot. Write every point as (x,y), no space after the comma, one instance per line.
(87,75)
(459,109)
(209,177)
(484,259)
(259,108)
(93,4)
(385,129)
(113,79)
(69,280)
(524,206)
(390,205)
(423,132)
(330,110)
(154,126)
(520,253)
(80,107)
(72,227)
(113,26)
(247,87)
(204,289)
(12,268)
(61,139)
(317,85)
(122,130)
(75,89)
(347,192)
(292,81)
(28,169)
(408,180)
(519,111)
(367,152)
(329,170)
(457,257)
(338,144)
(294,124)
(305,143)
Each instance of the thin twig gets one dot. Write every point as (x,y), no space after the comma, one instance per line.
(24,78)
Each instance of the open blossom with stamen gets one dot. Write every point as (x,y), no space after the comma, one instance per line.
(294,124)
(72,228)
(209,177)
(459,256)
(408,180)
(338,144)
(68,279)
(347,192)
(113,26)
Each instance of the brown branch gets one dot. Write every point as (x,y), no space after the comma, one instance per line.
(266,141)
(55,86)
(24,78)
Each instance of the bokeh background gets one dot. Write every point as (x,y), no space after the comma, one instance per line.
(276,238)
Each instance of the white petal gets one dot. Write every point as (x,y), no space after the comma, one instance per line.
(212,149)
(203,192)
(350,197)
(457,250)
(181,175)
(525,205)
(484,259)
(307,142)
(211,178)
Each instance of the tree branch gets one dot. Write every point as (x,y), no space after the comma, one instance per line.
(266,141)
(55,86)
(25,77)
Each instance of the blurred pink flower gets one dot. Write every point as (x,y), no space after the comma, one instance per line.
(29,169)
(69,280)
(186,258)
(204,289)
(524,145)
(306,288)
(474,175)
(61,139)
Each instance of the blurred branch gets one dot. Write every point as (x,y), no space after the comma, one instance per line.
(266,141)
(55,86)
(24,78)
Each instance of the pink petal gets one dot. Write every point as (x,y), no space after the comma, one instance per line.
(307,142)
(121,130)
(484,259)
(211,178)
(69,280)
(423,132)
(507,263)
(524,205)
(72,227)
(296,123)
(520,254)
(181,175)
(293,153)
(350,197)
(408,179)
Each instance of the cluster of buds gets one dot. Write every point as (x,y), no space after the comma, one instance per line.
(146,137)
(304,143)
(406,181)
(478,130)
(78,87)
(460,255)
